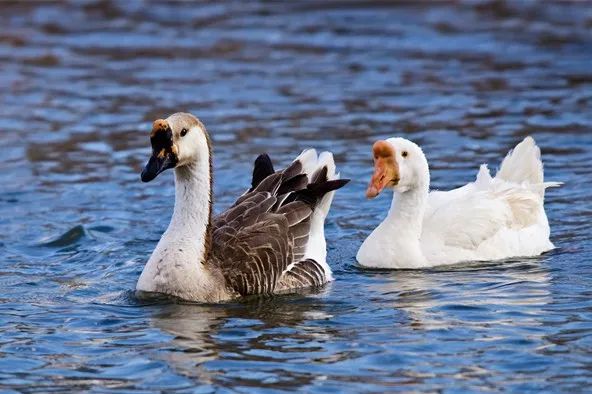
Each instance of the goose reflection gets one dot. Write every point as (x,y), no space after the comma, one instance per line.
(491,310)
(467,294)
(245,343)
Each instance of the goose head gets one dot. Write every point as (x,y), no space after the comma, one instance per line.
(177,141)
(399,164)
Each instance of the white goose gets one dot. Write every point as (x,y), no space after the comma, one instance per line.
(489,219)
(270,241)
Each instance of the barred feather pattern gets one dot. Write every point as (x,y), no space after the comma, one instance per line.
(305,273)
(259,243)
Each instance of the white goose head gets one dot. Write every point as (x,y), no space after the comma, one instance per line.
(177,141)
(399,164)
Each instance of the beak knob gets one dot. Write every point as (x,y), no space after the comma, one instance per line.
(164,154)
(385,168)
(158,125)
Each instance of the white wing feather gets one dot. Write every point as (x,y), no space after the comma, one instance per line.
(468,216)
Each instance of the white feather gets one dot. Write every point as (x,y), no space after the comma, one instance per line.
(308,158)
(316,248)
(489,219)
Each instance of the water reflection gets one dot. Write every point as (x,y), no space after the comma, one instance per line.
(211,343)
(192,328)
(478,288)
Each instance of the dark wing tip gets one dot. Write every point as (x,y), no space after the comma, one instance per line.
(315,191)
(295,183)
(325,187)
(262,169)
(341,183)
(263,158)
(320,175)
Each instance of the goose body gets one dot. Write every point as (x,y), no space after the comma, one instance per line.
(491,218)
(271,240)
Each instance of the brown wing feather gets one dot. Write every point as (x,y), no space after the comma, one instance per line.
(305,273)
(266,231)
(252,258)
(253,245)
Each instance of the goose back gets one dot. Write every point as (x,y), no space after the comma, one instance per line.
(259,243)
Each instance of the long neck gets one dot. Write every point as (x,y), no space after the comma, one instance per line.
(395,243)
(402,228)
(191,221)
(407,211)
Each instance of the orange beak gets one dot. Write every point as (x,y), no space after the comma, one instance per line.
(386,169)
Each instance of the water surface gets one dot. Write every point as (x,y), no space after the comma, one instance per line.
(80,84)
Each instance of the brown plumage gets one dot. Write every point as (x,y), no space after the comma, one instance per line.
(260,241)
(261,245)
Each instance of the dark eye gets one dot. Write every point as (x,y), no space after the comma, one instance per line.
(404,154)
(184,132)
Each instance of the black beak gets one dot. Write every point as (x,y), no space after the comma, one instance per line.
(155,166)
(163,155)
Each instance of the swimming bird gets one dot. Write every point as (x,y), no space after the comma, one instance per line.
(271,240)
(491,218)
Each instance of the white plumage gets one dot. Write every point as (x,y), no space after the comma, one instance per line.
(491,218)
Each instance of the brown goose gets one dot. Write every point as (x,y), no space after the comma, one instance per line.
(270,241)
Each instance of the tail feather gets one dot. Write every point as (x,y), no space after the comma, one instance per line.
(308,159)
(323,181)
(523,164)
(483,177)
(310,179)
(326,161)
(317,246)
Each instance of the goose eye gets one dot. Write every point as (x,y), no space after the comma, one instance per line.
(404,154)
(184,132)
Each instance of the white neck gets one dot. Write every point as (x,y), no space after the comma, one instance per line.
(404,225)
(177,266)
(191,216)
(395,243)
(407,210)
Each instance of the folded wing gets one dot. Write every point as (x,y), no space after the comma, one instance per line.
(260,242)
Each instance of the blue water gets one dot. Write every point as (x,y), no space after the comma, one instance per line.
(81,82)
